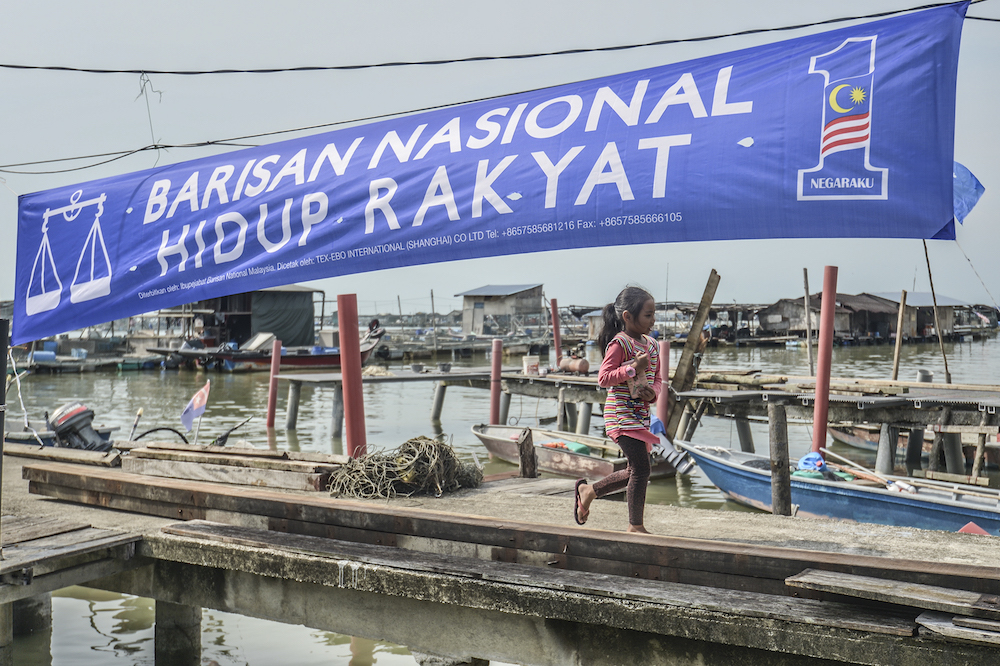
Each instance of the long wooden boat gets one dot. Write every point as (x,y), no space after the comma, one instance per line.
(746,478)
(603,458)
(311,358)
(865,438)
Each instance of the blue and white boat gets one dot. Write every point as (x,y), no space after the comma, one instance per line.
(746,478)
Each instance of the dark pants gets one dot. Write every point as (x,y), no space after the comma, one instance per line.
(633,478)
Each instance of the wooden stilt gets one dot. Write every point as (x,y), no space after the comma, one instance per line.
(885,459)
(338,410)
(292,408)
(781,483)
(914,450)
(438,405)
(526,453)
(583,413)
(900,321)
(745,435)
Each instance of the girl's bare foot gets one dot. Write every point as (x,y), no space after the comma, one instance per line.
(637,528)
(587,495)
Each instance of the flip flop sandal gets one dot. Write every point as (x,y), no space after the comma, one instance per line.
(576,505)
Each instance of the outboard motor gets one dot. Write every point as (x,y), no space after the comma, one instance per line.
(71,423)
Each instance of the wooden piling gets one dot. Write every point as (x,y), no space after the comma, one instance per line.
(745,435)
(934,461)
(686,372)
(292,408)
(496,358)
(561,409)
(583,414)
(528,462)
(438,405)
(272,387)
(350,370)
(914,450)
(504,407)
(781,482)
(556,333)
(977,461)
(885,459)
(337,416)
(900,319)
(809,326)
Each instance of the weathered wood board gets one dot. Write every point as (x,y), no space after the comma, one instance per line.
(668,595)
(941,623)
(930,597)
(109,459)
(305,456)
(232,474)
(235,459)
(976,623)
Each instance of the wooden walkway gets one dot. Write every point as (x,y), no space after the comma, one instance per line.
(45,554)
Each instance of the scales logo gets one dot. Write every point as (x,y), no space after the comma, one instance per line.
(93,268)
(844,170)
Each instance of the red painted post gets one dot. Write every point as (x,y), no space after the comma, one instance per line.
(496,356)
(350,371)
(272,388)
(663,402)
(827,310)
(556,333)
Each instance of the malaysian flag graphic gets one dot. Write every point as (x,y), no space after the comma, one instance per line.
(849,116)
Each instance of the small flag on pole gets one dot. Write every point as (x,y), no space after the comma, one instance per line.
(196,407)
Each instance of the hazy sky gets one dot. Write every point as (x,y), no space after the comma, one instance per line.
(47,115)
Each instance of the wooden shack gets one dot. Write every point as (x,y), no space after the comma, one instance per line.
(923,304)
(787,317)
(502,308)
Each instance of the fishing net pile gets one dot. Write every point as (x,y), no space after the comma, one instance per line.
(420,466)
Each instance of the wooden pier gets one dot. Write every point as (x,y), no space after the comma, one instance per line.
(502,573)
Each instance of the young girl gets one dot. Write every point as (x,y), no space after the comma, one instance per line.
(629,352)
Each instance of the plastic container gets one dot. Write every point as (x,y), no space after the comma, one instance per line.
(77,352)
(45,356)
(530,365)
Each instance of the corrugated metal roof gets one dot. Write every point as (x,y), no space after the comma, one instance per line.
(499,290)
(867,303)
(921,299)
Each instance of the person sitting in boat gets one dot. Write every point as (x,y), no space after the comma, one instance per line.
(631,373)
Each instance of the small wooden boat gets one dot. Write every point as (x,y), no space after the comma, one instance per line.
(565,453)
(746,478)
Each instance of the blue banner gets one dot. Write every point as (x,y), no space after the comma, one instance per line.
(847,133)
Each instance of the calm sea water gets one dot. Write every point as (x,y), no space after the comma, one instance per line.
(93,628)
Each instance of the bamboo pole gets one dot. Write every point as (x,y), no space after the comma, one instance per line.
(809,327)
(937,322)
(899,335)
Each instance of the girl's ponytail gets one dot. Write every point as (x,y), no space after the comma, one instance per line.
(613,324)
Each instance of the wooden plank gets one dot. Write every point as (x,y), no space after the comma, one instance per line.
(243,451)
(951,478)
(756,566)
(931,597)
(109,459)
(940,623)
(234,459)
(38,528)
(244,476)
(670,595)
(16,558)
(303,456)
(976,623)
